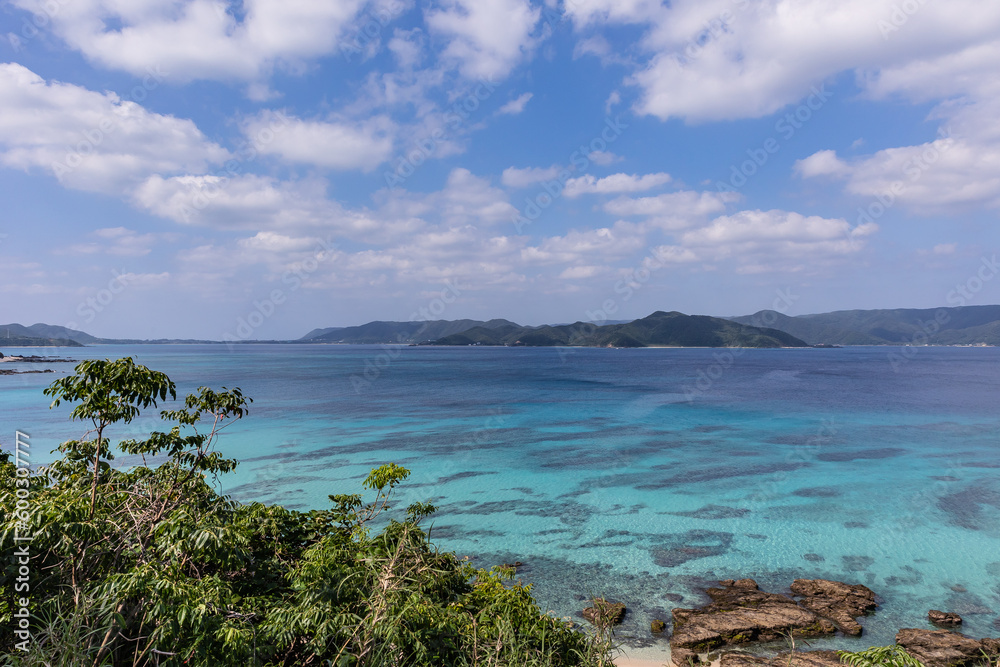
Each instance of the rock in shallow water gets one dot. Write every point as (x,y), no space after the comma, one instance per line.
(740,613)
(839,602)
(605,613)
(943,648)
(798,659)
(943,618)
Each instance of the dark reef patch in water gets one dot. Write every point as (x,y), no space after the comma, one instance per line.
(712,512)
(711,428)
(717,473)
(817,492)
(909,576)
(568,512)
(855,524)
(857,563)
(679,548)
(965,508)
(813,558)
(862,455)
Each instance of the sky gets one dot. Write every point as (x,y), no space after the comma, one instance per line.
(257,169)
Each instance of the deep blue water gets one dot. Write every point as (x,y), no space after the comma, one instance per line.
(636,474)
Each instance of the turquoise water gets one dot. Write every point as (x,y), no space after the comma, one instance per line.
(640,475)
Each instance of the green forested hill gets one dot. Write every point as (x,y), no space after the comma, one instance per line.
(398,332)
(967,325)
(659,329)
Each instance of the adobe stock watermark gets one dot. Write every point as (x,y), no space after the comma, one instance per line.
(435,308)
(633,281)
(899,16)
(39,21)
(264,309)
(961,295)
(914,169)
(579,161)
(107,125)
(23,535)
(712,30)
(706,378)
(423,149)
(369,30)
(798,457)
(95,304)
(786,127)
(247,150)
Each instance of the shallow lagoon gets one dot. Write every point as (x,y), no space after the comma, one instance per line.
(636,474)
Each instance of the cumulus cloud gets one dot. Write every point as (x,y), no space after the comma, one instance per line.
(614,184)
(93,141)
(484,38)
(674,210)
(956,171)
(339,144)
(513,177)
(761,241)
(199,39)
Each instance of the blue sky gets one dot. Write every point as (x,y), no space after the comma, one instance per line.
(198,168)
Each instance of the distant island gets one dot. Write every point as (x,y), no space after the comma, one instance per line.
(966,326)
(657,330)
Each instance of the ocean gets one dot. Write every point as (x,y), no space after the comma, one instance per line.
(639,475)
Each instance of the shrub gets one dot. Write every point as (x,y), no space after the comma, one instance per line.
(149,565)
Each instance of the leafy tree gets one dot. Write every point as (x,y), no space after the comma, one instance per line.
(149,565)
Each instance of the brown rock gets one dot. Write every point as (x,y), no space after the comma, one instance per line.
(841,603)
(943,618)
(738,614)
(657,626)
(605,613)
(798,659)
(943,648)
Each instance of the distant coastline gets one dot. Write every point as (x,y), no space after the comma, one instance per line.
(965,326)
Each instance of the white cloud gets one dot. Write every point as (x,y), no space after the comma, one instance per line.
(485,38)
(821,163)
(581,272)
(408,47)
(469,199)
(674,210)
(117,241)
(718,59)
(199,39)
(958,171)
(93,141)
(335,145)
(945,249)
(585,247)
(242,202)
(604,158)
(513,177)
(763,241)
(516,106)
(614,184)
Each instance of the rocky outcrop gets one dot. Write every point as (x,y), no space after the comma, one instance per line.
(943,648)
(943,618)
(740,613)
(604,613)
(797,659)
(839,602)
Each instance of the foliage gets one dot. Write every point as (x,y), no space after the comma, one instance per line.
(149,565)
(879,656)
